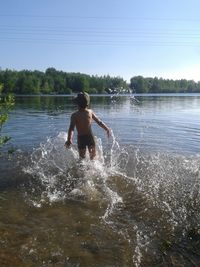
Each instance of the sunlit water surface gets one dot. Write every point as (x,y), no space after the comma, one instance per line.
(136,205)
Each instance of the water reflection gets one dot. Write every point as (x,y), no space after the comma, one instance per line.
(147,121)
(62,102)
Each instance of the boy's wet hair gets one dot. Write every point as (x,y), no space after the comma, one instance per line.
(82,100)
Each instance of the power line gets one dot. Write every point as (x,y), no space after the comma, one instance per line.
(100,17)
(100,42)
(161,32)
(93,28)
(101,30)
(100,35)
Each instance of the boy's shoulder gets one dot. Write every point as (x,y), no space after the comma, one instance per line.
(74,114)
(90,110)
(87,110)
(78,112)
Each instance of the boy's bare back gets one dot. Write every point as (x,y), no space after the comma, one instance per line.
(82,119)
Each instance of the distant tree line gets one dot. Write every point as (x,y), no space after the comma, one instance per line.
(140,84)
(53,81)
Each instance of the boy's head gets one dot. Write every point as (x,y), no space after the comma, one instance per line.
(82,100)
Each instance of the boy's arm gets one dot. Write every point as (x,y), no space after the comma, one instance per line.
(70,132)
(101,124)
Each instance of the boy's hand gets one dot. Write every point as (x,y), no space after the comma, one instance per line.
(108,131)
(68,143)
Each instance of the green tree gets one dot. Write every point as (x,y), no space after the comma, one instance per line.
(139,84)
(155,88)
(6,103)
(9,79)
(191,87)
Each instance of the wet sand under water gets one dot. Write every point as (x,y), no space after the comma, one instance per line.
(134,210)
(73,233)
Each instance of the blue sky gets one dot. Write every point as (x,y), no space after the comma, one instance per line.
(99,37)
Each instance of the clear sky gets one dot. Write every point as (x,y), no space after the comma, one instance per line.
(117,37)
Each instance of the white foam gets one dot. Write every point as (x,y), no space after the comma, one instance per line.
(57,168)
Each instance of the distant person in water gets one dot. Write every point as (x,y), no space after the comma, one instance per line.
(82,119)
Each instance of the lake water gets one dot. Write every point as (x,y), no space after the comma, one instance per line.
(136,205)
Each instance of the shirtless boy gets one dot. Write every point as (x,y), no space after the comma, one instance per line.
(82,120)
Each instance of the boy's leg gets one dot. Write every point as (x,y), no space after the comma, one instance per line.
(81,147)
(82,153)
(92,152)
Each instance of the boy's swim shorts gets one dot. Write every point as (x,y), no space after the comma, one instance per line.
(86,140)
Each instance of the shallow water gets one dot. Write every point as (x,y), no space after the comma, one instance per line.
(137,205)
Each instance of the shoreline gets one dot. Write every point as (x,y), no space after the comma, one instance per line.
(115,94)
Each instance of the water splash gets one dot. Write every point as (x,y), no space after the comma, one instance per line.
(60,174)
(147,199)
(171,182)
